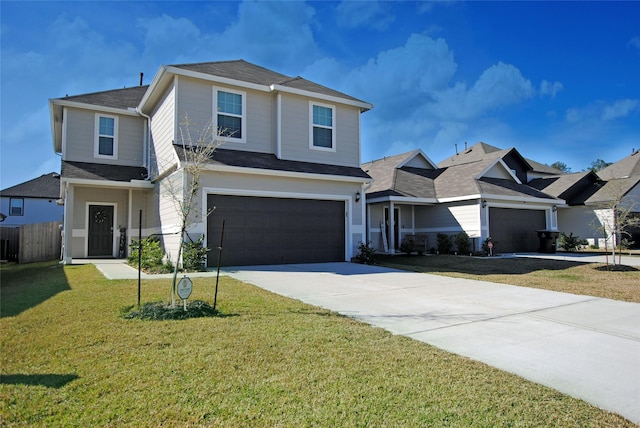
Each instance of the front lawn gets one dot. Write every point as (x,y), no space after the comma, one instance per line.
(68,358)
(589,279)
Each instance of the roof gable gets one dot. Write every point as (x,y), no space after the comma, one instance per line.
(498,169)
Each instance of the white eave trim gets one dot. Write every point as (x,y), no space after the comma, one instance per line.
(287,174)
(402,200)
(133,184)
(94,107)
(339,100)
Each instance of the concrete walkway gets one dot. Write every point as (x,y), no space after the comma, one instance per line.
(582,346)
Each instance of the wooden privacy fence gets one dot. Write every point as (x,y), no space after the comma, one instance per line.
(31,242)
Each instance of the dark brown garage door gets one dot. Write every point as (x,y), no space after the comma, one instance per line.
(514,230)
(275,230)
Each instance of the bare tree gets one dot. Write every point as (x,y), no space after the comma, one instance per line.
(197,147)
(617,214)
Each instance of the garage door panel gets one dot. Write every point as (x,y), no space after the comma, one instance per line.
(514,230)
(276,230)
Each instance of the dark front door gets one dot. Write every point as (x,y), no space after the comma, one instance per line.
(100,231)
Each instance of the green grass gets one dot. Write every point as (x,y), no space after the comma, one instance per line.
(589,279)
(69,358)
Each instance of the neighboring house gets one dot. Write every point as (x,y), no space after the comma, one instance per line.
(286,180)
(33,201)
(481,191)
(589,197)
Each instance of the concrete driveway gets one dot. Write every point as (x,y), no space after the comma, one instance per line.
(583,346)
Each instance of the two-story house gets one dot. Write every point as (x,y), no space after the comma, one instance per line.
(286,180)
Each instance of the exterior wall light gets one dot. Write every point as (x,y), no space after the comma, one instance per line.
(358,197)
(484,204)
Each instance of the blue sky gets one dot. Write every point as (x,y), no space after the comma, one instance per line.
(560,81)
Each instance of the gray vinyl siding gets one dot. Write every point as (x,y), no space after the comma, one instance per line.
(163,133)
(295,133)
(581,221)
(195,99)
(80,138)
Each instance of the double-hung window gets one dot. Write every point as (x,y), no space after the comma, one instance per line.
(106,139)
(230,114)
(16,206)
(322,133)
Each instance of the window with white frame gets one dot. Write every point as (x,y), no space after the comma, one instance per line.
(230,114)
(322,133)
(106,140)
(16,206)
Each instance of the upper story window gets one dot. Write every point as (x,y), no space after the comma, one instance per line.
(106,139)
(16,206)
(322,132)
(230,117)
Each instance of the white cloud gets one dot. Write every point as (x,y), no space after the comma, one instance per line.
(172,38)
(620,108)
(635,42)
(277,35)
(498,86)
(373,14)
(550,88)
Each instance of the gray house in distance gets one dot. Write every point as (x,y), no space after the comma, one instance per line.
(34,201)
(482,191)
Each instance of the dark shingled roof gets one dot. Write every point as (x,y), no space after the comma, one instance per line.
(627,167)
(450,182)
(612,189)
(99,171)
(269,161)
(482,151)
(575,188)
(46,186)
(248,72)
(117,98)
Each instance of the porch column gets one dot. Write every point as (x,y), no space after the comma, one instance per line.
(67,239)
(392,224)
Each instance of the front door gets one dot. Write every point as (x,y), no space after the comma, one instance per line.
(100,237)
(396,229)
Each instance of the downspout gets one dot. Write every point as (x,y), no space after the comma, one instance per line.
(147,143)
(279,125)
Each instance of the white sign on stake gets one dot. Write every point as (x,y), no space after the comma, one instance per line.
(185,286)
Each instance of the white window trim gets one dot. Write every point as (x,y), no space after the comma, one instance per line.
(243,126)
(333,127)
(11,206)
(96,142)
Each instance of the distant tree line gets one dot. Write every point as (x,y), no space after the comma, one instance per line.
(595,166)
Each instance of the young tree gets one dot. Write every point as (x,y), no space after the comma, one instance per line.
(617,213)
(197,147)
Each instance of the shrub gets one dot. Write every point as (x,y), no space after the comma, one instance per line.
(571,243)
(194,255)
(367,254)
(444,243)
(161,311)
(485,247)
(408,246)
(462,243)
(152,253)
